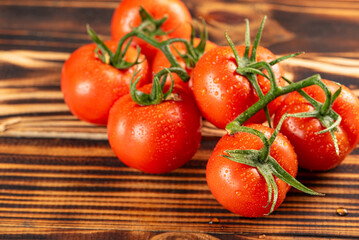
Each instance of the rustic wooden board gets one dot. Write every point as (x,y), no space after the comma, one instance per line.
(59,179)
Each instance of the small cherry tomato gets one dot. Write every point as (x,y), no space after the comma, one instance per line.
(317,151)
(155,138)
(90,87)
(126,17)
(222,94)
(241,188)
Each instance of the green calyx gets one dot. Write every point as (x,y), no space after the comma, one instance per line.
(157,94)
(148,30)
(149,25)
(117,59)
(194,53)
(266,165)
(323,112)
(249,67)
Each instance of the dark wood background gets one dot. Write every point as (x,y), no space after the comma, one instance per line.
(59,179)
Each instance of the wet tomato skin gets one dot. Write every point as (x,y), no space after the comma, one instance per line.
(90,87)
(222,94)
(316,152)
(156,138)
(240,188)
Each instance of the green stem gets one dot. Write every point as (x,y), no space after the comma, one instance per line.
(253,79)
(164,46)
(147,31)
(117,55)
(273,93)
(178,70)
(187,44)
(311,100)
(266,66)
(277,129)
(239,61)
(264,152)
(324,107)
(284,58)
(140,32)
(257,40)
(247,41)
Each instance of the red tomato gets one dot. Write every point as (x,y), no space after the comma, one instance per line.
(222,94)
(241,188)
(317,151)
(155,138)
(126,16)
(90,87)
(160,60)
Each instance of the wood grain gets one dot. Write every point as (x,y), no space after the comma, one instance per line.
(59,179)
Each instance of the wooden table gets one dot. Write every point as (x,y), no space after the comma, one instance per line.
(59,179)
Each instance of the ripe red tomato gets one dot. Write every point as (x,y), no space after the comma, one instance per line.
(126,16)
(241,188)
(317,151)
(156,138)
(160,60)
(222,94)
(90,87)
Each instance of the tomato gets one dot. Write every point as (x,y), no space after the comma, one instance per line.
(126,17)
(241,188)
(155,138)
(317,151)
(222,94)
(90,87)
(160,60)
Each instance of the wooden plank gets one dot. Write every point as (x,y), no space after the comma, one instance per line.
(49,233)
(59,178)
(51,188)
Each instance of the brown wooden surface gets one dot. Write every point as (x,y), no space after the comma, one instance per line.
(59,179)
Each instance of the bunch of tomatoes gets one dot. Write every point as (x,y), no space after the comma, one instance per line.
(154,81)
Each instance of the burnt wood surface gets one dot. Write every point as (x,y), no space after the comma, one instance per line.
(59,178)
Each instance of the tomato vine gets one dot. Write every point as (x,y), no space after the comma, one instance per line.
(246,66)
